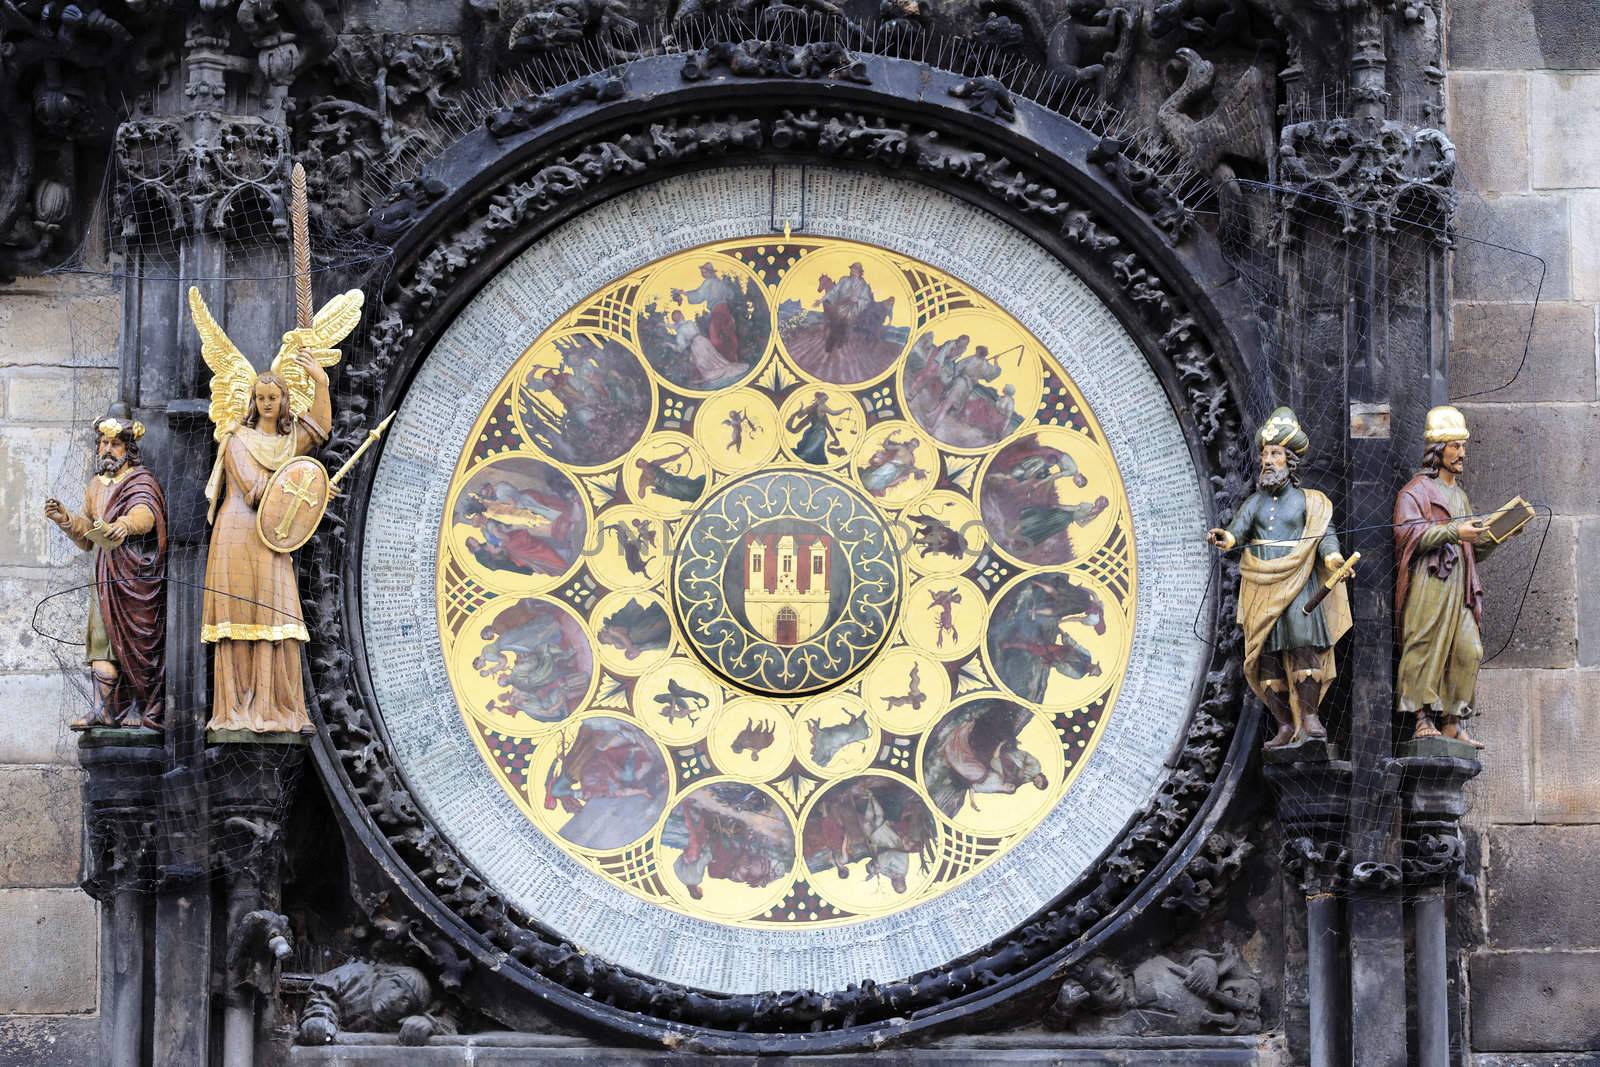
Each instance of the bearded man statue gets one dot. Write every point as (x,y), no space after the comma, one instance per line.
(124,524)
(1289,552)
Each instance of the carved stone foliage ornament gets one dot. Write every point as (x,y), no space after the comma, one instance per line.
(449,862)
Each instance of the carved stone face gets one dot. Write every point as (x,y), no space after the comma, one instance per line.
(396,993)
(269,399)
(1108,988)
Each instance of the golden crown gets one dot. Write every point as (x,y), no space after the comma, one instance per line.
(113,427)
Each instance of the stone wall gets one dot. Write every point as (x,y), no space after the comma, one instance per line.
(57,373)
(1524,95)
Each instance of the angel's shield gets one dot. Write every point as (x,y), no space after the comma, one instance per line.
(292,506)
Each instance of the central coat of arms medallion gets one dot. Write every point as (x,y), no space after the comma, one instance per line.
(786,582)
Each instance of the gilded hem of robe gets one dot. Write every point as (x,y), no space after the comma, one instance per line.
(246,631)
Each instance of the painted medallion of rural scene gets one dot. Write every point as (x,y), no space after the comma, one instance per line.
(786,583)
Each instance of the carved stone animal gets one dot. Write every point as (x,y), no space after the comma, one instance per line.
(827,741)
(1210,22)
(538,26)
(1094,43)
(1236,128)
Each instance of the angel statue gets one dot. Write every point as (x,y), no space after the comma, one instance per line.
(262,421)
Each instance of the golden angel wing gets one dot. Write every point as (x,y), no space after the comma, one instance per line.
(334,322)
(232,377)
(328,327)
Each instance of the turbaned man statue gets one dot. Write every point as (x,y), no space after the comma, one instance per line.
(1290,551)
(1438,599)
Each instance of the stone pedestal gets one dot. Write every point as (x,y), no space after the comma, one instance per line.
(122,812)
(1313,807)
(1431,862)
(250,781)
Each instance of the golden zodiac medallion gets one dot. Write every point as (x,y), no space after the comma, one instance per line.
(786,585)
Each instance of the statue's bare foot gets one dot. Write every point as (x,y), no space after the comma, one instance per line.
(1455,731)
(1284,735)
(1314,728)
(1425,728)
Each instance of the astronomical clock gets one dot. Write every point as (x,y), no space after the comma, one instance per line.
(767,606)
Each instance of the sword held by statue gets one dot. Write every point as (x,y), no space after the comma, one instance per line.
(1343,573)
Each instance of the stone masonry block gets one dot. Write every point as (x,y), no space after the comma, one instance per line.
(50,940)
(1543,1059)
(29,597)
(1530,614)
(36,463)
(56,324)
(1503,793)
(1567,777)
(1588,593)
(1564,133)
(41,835)
(36,709)
(78,396)
(1489,125)
(1504,34)
(1534,877)
(1534,224)
(1586,252)
(1534,1001)
(1544,452)
(58,1040)
(1488,341)
(408,17)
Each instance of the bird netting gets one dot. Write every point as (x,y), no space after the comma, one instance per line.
(1349,303)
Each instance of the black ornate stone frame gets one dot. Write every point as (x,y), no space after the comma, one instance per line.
(531,167)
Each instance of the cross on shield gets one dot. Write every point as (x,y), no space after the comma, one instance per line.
(293,504)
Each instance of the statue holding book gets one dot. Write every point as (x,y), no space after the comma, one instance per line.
(1438,598)
(124,523)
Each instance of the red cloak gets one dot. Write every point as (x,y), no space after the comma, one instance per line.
(1421,504)
(130,581)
